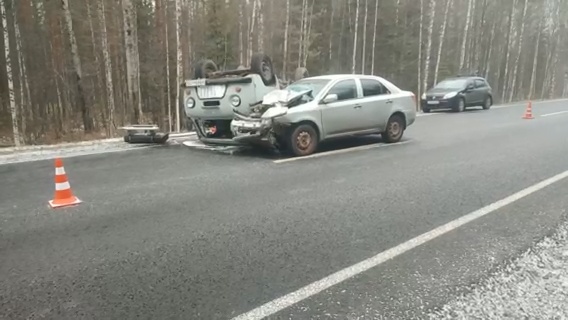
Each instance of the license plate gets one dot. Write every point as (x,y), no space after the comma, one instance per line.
(211,91)
(196,83)
(433,102)
(251,125)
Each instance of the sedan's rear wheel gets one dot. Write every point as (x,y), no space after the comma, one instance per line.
(395,129)
(303,140)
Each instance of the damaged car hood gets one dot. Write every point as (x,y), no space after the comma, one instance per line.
(278,102)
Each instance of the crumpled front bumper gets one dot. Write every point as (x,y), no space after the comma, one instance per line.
(254,131)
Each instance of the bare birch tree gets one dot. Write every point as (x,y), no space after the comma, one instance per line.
(465,35)
(11,95)
(132,60)
(441,42)
(432,7)
(356,31)
(81,101)
(374,37)
(108,66)
(179,64)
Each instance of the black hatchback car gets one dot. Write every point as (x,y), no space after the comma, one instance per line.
(458,93)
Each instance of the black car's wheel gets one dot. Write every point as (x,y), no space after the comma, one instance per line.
(487,103)
(460,107)
(395,129)
(303,140)
(426,110)
(261,64)
(203,68)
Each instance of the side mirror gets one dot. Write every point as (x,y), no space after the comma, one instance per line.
(469,87)
(330,98)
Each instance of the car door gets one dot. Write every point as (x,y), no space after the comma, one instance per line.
(345,114)
(376,104)
(470,92)
(480,90)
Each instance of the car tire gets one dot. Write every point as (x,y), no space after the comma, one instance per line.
(487,103)
(426,110)
(395,129)
(203,68)
(301,73)
(303,140)
(261,64)
(461,105)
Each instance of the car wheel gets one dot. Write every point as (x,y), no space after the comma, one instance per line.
(487,103)
(461,105)
(395,129)
(203,68)
(303,140)
(261,64)
(426,110)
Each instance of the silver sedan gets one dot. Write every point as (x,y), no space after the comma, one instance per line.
(315,109)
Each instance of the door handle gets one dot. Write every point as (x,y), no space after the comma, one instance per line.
(389,101)
(358,106)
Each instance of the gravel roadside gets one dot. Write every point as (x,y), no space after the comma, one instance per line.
(534,286)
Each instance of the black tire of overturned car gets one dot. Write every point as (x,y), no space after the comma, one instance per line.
(261,64)
(203,68)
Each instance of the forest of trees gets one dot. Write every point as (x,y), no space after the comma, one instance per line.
(78,69)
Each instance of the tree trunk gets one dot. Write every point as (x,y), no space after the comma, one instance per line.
(465,35)
(442,38)
(168,79)
(108,68)
(419,62)
(81,101)
(179,65)
(512,88)
(432,4)
(375,37)
(364,50)
(132,60)
(11,96)
(356,31)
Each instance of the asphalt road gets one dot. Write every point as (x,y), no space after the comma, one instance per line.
(177,233)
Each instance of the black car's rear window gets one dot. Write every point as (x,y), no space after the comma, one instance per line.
(452,84)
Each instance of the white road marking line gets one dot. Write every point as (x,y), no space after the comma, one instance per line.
(553,114)
(427,114)
(312,289)
(332,152)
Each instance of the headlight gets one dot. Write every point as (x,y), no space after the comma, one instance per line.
(450,95)
(424,96)
(190,103)
(266,122)
(235,101)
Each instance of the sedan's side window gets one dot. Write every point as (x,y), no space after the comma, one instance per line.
(373,88)
(479,83)
(345,90)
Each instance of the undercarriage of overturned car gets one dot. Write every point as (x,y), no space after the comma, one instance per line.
(264,126)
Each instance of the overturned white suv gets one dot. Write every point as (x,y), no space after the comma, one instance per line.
(314,109)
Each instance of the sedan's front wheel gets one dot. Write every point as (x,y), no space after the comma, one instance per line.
(395,129)
(303,140)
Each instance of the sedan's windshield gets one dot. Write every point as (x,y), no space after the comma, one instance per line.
(452,84)
(316,85)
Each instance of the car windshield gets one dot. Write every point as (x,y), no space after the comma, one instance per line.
(316,85)
(451,84)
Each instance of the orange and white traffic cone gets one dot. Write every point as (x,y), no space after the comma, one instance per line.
(63,195)
(528,111)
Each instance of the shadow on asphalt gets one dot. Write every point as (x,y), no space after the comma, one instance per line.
(333,145)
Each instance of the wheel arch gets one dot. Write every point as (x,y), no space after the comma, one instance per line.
(402,115)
